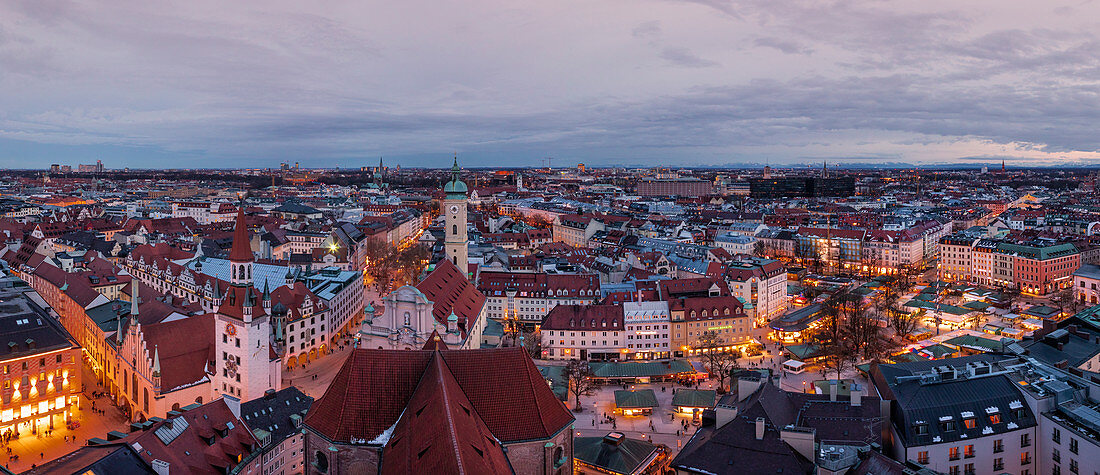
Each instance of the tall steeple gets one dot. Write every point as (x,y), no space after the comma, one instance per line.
(454,213)
(134,301)
(156,367)
(240,255)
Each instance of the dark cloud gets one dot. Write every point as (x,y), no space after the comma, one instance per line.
(788,81)
(786,46)
(681,56)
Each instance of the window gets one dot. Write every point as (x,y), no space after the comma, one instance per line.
(1072,445)
(1025,458)
(969,469)
(1056,436)
(953,453)
(954,470)
(994,418)
(922,429)
(922,457)
(1025,440)
(1073,466)
(969,452)
(1056,455)
(998,463)
(970,423)
(998,446)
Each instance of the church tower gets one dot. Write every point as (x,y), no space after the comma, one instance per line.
(240,255)
(246,364)
(454,212)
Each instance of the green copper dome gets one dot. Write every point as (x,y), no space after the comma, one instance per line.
(455,188)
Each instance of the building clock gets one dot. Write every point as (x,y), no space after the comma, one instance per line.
(454,209)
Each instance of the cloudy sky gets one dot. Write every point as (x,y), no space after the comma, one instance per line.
(199,83)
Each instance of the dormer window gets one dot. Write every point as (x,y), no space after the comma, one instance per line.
(947,426)
(970,423)
(921,429)
(994,418)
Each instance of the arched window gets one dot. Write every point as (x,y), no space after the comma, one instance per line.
(454,229)
(407,319)
(704,314)
(198,400)
(715,312)
(320,462)
(727,310)
(693,314)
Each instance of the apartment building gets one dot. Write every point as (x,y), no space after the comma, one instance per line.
(586,332)
(647,330)
(41,367)
(575,230)
(528,297)
(761,284)
(959,416)
(690,317)
(1036,267)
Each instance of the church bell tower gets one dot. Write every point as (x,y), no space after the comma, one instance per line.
(454,212)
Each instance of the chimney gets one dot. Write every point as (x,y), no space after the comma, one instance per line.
(723,415)
(857,397)
(759,428)
(832,389)
(160,467)
(269,394)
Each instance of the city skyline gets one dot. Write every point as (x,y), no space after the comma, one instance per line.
(669,83)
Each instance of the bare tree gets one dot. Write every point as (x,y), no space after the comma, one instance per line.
(379,265)
(903,323)
(1066,301)
(719,362)
(828,337)
(532,342)
(864,336)
(409,262)
(579,376)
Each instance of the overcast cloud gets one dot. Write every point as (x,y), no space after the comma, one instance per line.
(689,82)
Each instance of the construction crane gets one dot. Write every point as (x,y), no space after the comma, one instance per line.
(547,161)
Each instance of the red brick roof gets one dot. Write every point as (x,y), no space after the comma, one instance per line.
(374,387)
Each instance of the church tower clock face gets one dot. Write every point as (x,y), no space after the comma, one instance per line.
(454,209)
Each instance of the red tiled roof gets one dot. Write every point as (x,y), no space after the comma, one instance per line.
(448,288)
(188,452)
(184,346)
(440,432)
(374,387)
(716,307)
(584,317)
(242,248)
(435,342)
